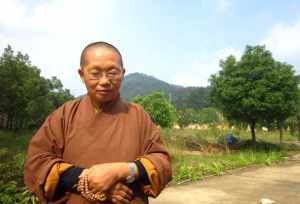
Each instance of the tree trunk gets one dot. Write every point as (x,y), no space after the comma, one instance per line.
(252,127)
(280,128)
(5,124)
(8,124)
(292,129)
(280,134)
(298,127)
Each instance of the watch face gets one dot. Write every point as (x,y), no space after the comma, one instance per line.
(130,179)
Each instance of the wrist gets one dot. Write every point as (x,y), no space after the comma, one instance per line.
(123,171)
(83,172)
(128,171)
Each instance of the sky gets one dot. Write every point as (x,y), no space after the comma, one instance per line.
(180,42)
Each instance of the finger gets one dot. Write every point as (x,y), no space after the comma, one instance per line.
(126,189)
(118,185)
(125,195)
(121,200)
(113,200)
(116,188)
(93,190)
(125,201)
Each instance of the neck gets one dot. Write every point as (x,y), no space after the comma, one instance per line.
(102,106)
(98,107)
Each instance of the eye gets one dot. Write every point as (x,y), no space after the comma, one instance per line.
(94,74)
(113,73)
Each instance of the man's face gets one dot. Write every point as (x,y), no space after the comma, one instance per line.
(102,74)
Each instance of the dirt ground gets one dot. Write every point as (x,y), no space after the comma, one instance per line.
(279,183)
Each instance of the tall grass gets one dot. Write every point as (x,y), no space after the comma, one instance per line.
(192,167)
(199,153)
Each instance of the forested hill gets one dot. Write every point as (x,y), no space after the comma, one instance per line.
(182,97)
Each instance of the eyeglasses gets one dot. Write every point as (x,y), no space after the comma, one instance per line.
(112,74)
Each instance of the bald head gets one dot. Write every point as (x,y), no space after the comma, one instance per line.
(98,45)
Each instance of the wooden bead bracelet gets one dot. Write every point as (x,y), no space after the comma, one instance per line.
(83,187)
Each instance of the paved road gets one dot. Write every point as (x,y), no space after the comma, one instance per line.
(279,183)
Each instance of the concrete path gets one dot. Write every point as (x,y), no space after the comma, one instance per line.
(280,183)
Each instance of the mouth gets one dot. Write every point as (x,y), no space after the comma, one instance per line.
(103,91)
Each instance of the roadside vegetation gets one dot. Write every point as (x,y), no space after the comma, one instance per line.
(200,153)
(195,154)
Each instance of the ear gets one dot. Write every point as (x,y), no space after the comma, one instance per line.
(123,72)
(81,74)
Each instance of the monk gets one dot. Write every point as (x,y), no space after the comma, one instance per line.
(98,148)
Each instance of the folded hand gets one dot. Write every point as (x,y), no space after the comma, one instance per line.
(120,194)
(102,177)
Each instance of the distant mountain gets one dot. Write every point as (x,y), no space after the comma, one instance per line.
(137,84)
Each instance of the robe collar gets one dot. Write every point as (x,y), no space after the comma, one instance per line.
(108,107)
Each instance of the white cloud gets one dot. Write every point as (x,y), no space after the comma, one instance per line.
(200,70)
(11,12)
(284,42)
(53,33)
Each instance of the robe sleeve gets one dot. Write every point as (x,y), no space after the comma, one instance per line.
(44,151)
(53,178)
(155,159)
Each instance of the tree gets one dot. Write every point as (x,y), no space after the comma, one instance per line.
(160,110)
(255,89)
(208,116)
(26,97)
(285,95)
(197,98)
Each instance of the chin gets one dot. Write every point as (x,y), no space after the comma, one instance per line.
(102,98)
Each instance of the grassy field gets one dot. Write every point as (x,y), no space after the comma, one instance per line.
(195,154)
(199,153)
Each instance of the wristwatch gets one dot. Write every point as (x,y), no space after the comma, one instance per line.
(133,172)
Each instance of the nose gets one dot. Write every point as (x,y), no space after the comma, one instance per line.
(103,81)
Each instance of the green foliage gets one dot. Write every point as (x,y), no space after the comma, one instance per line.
(11,179)
(204,116)
(160,110)
(209,116)
(12,158)
(192,167)
(186,117)
(255,89)
(10,193)
(26,97)
(186,172)
(197,98)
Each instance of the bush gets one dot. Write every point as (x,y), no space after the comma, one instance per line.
(12,190)
(160,110)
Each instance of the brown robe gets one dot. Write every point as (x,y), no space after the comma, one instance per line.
(75,134)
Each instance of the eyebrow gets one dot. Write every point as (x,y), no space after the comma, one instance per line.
(112,67)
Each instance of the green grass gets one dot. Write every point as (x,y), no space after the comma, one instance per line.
(193,139)
(199,153)
(195,167)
